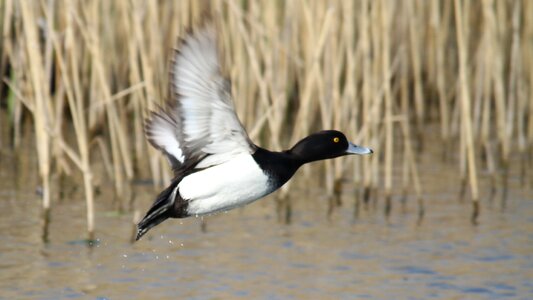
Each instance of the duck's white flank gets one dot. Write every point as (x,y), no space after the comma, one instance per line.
(225,186)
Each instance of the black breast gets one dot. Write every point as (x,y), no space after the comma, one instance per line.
(279,166)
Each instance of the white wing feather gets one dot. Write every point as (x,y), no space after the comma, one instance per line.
(160,131)
(201,123)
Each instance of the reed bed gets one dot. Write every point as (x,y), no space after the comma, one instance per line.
(85,73)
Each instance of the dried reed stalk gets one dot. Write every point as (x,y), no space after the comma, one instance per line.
(385,66)
(42,111)
(466,118)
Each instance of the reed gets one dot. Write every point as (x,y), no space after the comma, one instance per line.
(38,101)
(466,116)
(526,91)
(88,72)
(67,62)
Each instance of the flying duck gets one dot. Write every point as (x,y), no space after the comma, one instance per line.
(216,165)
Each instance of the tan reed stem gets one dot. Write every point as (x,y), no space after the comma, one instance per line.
(466,119)
(42,114)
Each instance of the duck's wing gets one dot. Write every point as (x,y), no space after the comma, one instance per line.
(199,126)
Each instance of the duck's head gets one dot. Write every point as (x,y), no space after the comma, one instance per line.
(326,144)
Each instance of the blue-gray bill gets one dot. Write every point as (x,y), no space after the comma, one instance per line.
(354,149)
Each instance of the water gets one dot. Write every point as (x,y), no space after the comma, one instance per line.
(248,254)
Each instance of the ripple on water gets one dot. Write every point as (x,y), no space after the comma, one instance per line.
(494,258)
(342,268)
(287,244)
(415,270)
(443,285)
(476,290)
(494,290)
(353,255)
(301,266)
(501,286)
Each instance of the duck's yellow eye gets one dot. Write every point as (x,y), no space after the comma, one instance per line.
(335,139)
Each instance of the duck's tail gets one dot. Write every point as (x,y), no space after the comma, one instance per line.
(169,204)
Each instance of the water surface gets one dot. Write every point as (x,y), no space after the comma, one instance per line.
(248,254)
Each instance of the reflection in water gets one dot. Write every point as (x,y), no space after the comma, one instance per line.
(247,253)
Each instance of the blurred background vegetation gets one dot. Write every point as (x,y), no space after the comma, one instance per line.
(79,77)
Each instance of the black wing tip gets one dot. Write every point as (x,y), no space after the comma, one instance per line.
(206,23)
(147,127)
(149,119)
(163,114)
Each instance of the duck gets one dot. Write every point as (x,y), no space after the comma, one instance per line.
(215,164)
